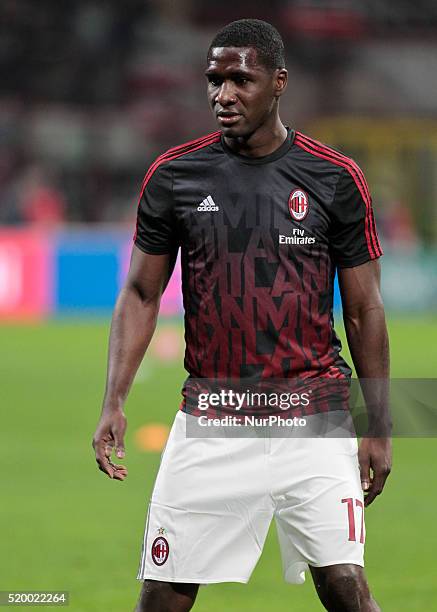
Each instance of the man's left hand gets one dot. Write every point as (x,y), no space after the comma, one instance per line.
(374,457)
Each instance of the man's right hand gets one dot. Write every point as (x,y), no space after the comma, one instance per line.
(133,324)
(109,435)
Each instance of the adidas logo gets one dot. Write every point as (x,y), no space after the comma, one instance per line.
(207,205)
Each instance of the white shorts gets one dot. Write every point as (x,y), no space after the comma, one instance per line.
(214,499)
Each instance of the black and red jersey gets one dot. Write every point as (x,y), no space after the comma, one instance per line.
(260,241)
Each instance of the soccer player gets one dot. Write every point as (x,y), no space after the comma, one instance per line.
(264,216)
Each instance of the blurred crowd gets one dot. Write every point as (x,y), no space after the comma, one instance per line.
(92,90)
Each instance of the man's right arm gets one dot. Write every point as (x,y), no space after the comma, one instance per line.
(133,325)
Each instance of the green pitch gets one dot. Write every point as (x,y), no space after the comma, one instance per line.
(66,526)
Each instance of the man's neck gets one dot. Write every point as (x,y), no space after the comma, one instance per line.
(262,142)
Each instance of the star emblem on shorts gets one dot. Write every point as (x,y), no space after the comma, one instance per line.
(161,530)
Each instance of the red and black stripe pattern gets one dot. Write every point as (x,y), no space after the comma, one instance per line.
(258,280)
(174,153)
(320,150)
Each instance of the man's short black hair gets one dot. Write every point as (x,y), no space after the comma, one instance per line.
(255,33)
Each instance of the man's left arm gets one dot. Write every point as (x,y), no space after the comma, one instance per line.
(366,331)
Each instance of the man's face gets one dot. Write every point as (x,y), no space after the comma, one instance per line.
(241,90)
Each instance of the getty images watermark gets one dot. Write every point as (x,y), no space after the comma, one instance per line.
(252,401)
(320,407)
(270,408)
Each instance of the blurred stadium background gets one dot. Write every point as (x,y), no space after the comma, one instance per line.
(90,93)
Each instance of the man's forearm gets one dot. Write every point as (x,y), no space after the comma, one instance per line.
(133,324)
(369,346)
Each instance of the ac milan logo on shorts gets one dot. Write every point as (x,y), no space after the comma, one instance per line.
(160,550)
(298,204)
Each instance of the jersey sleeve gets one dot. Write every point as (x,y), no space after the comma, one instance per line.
(156,229)
(352,236)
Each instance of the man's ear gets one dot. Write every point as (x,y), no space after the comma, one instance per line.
(281,80)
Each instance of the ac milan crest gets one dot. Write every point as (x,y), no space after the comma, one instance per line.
(298,204)
(160,550)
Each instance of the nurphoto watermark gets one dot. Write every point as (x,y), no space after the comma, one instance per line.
(319,407)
